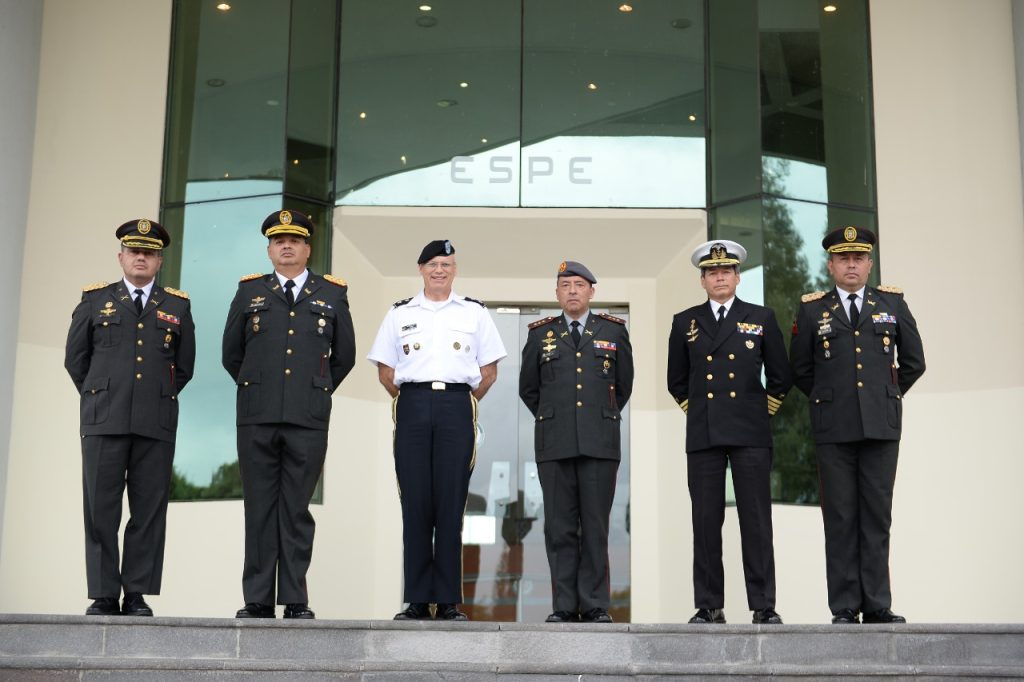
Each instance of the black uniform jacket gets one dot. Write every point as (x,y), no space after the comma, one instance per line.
(855,379)
(287,361)
(576,394)
(715,374)
(129,368)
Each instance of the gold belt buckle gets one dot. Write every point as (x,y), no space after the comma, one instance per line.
(437,386)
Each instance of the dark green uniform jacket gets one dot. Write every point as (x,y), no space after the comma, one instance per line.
(715,374)
(856,379)
(287,361)
(576,394)
(129,368)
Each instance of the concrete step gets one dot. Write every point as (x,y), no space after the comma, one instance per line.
(41,647)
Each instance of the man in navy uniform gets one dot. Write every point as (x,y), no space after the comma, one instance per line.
(716,352)
(856,352)
(576,376)
(288,343)
(437,355)
(130,351)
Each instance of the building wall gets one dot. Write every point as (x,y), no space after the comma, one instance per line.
(949,181)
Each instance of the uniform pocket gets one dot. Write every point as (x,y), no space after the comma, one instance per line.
(604,363)
(96,400)
(610,427)
(168,407)
(323,325)
(106,330)
(894,407)
(320,399)
(248,393)
(821,408)
(545,415)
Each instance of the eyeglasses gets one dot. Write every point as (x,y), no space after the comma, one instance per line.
(439,265)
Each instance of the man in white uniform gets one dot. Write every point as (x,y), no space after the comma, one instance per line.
(437,355)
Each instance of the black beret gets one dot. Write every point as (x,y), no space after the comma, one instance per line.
(288,222)
(569,268)
(849,239)
(143,234)
(438,247)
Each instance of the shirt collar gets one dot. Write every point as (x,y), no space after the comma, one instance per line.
(583,319)
(844,295)
(422,301)
(146,290)
(300,280)
(715,306)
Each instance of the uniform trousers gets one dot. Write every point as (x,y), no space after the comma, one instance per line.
(109,463)
(435,451)
(578,496)
(751,477)
(280,466)
(856,482)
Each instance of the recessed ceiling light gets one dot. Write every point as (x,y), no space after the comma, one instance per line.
(463,84)
(272,102)
(625,8)
(362,114)
(830,8)
(445,103)
(591,86)
(692,117)
(295,162)
(402,157)
(425,8)
(223,7)
(227,175)
(484,140)
(216,82)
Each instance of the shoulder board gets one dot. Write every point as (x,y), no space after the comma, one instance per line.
(94,287)
(480,303)
(336,280)
(176,292)
(890,290)
(402,302)
(813,296)
(612,318)
(249,278)
(540,323)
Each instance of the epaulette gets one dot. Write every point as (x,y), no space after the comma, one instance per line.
(402,302)
(481,303)
(249,278)
(890,290)
(94,287)
(813,296)
(336,280)
(540,323)
(176,292)
(612,318)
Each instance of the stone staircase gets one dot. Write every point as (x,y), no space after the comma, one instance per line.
(39,647)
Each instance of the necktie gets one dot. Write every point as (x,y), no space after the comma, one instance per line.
(576,332)
(854,313)
(138,301)
(721,314)
(288,293)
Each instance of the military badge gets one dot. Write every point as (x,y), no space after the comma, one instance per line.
(409,327)
(550,333)
(109,304)
(604,345)
(850,234)
(405,348)
(143,226)
(883,318)
(750,328)
(107,311)
(167,317)
(416,346)
(456,345)
(285,217)
(692,332)
(321,322)
(562,266)
(749,344)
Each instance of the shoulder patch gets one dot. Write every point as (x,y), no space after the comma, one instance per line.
(540,323)
(176,292)
(480,303)
(612,318)
(890,290)
(94,286)
(249,278)
(813,296)
(398,304)
(336,280)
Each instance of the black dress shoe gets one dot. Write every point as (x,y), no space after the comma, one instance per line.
(415,611)
(104,606)
(766,617)
(299,611)
(883,616)
(135,605)
(450,612)
(708,616)
(562,617)
(255,610)
(596,615)
(845,617)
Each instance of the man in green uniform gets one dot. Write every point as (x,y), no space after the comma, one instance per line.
(130,350)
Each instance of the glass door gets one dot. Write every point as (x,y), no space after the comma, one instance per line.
(505,569)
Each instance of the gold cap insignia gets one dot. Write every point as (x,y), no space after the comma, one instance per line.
(562,266)
(144,226)
(285,217)
(850,234)
(718,252)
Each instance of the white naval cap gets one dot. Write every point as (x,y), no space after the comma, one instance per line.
(717,253)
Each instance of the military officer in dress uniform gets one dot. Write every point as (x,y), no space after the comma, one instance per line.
(576,376)
(716,352)
(131,349)
(437,355)
(856,352)
(288,343)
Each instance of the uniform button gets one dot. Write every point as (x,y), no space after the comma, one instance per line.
(245,383)
(817,402)
(860,366)
(138,376)
(291,332)
(139,342)
(732,394)
(93,391)
(732,375)
(710,377)
(106,324)
(858,350)
(710,396)
(860,384)
(731,356)
(709,358)
(579,354)
(579,404)
(540,418)
(138,358)
(141,325)
(287,371)
(856,333)
(579,370)
(289,351)
(291,313)
(174,397)
(579,387)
